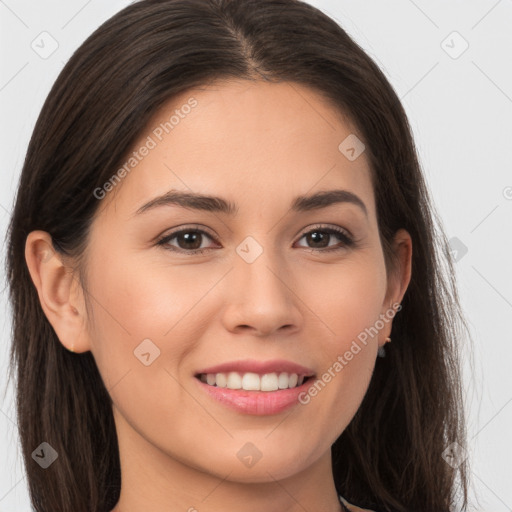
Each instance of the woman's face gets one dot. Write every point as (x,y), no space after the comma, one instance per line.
(272,285)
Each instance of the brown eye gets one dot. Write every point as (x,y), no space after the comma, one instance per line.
(186,240)
(319,239)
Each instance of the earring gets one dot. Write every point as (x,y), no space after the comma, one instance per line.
(382,351)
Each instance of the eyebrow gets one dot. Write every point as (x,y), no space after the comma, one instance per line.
(196,201)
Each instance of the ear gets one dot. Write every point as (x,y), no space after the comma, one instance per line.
(59,291)
(397,282)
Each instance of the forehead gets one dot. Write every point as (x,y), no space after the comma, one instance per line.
(247,141)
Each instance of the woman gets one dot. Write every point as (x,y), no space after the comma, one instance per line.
(221,224)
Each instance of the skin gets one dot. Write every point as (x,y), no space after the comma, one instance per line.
(259,145)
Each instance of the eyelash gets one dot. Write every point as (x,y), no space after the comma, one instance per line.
(347,241)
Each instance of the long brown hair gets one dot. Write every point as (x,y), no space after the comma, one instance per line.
(390,457)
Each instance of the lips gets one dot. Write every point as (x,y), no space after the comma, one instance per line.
(256,387)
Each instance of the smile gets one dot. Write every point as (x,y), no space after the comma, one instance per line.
(250,381)
(255,401)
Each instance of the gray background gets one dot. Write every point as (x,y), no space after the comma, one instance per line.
(459,104)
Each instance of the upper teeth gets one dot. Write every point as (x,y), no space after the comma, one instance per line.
(252,381)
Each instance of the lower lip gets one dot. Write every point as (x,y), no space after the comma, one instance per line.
(259,403)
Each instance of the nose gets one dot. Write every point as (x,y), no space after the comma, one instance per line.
(261,299)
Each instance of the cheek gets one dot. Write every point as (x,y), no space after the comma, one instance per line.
(140,300)
(133,303)
(347,297)
(348,307)
(142,332)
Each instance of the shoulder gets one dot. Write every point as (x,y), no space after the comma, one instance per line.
(353,508)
